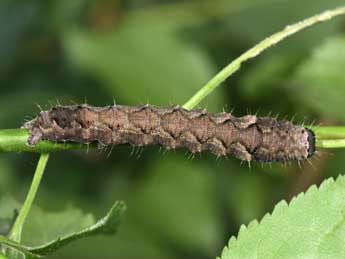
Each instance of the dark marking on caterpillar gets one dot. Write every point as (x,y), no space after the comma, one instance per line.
(249,138)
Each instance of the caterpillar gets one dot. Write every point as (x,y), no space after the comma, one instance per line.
(249,138)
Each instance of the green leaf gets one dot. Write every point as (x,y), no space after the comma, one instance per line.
(61,223)
(107,225)
(320,79)
(272,70)
(268,75)
(311,226)
(149,59)
(46,232)
(185,210)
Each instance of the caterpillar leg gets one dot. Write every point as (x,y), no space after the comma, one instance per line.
(240,151)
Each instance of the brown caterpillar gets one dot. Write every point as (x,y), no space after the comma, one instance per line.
(248,138)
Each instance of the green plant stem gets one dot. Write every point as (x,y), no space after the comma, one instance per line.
(15,140)
(16,231)
(330,143)
(256,50)
(9,243)
(329,132)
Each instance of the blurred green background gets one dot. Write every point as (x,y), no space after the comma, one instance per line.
(161,52)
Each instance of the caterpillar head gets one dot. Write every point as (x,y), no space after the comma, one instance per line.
(283,141)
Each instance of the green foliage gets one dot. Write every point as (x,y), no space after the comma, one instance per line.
(311,226)
(121,57)
(241,190)
(87,227)
(186,199)
(18,248)
(63,223)
(161,53)
(47,232)
(322,78)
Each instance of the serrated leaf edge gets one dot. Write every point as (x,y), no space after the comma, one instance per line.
(282,205)
(115,212)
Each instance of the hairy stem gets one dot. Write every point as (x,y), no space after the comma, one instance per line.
(16,231)
(256,50)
